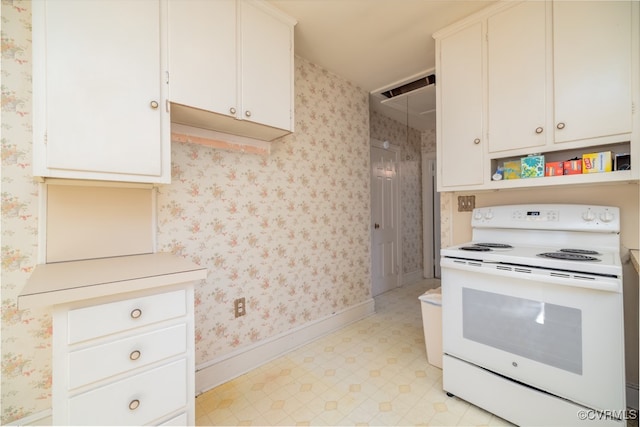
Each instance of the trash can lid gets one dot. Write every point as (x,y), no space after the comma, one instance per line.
(432,296)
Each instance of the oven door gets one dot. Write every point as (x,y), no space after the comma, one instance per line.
(547,332)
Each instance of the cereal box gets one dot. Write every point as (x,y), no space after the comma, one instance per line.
(573,166)
(597,162)
(532,166)
(511,170)
(554,168)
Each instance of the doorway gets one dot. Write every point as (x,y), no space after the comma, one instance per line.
(385,217)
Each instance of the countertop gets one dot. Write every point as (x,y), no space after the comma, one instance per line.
(634,258)
(64,282)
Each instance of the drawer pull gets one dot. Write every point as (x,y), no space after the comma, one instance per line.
(133,405)
(136,313)
(135,355)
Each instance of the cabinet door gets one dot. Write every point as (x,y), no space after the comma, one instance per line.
(202,54)
(592,69)
(266,67)
(460,145)
(517,71)
(98,77)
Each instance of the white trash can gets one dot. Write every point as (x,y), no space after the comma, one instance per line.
(431,302)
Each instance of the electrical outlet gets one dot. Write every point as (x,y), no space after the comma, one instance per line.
(466,203)
(239,307)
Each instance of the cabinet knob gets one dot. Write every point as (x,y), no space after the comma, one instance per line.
(136,313)
(135,355)
(560,125)
(232,110)
(476,141)
(247,113)
(154,104)
(539,130)
(133,405)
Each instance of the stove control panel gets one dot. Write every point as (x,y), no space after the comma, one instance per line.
(549,217)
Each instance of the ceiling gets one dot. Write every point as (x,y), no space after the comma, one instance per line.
(378,45)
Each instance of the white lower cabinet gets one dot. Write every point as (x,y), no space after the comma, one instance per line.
(125,360)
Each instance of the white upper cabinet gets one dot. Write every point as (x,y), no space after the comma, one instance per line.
(592,69)
(99,90)
(559,78)
(202,54)
(231,67)
(459,94)
(517,77)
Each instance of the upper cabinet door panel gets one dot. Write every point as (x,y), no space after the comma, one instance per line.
(592,69)
(517,77)
(202,54)
(266,66)
(461,108)
(103,86)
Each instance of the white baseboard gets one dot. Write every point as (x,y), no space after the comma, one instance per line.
(412,277)
(632,396)
(225,368)
(42,418)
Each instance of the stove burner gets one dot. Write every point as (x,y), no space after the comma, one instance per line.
(494,245)
(568,256)
(474,248)
(580,251)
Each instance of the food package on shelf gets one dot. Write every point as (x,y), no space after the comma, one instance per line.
(597,162)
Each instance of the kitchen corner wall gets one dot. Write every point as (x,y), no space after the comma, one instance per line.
(411,150)
(288,232)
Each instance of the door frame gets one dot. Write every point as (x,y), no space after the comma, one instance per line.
(396,149)
(430,223)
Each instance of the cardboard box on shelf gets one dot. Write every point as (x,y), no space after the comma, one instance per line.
(597,162)
(623,162)
(511,170)
(572,167)
(554,169)
(532,166)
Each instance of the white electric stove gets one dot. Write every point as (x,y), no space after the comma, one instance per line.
(533,314)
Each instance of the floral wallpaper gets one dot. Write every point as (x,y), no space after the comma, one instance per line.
(411,149)
(289,232)
(26,335)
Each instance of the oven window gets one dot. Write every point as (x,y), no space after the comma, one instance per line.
(547,333)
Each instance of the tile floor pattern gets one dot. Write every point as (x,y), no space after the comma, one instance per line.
(371,373)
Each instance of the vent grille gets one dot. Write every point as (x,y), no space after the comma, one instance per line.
(410,87)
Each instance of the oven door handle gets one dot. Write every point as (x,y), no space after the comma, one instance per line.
(528,273)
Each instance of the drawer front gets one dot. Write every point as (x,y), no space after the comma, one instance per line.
(102,361)
(137,400)
(104,319)
(180,420)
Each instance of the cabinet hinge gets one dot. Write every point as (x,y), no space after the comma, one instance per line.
(167,105)
(45,138)
(167,76)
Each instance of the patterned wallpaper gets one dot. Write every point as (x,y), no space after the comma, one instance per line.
(411,149)
(26,335)
(290,232)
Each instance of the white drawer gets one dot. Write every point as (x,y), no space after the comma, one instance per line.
(102,361)
(104,319)
(180,420)
(157,392)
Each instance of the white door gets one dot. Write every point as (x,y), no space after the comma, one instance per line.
(385,208)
